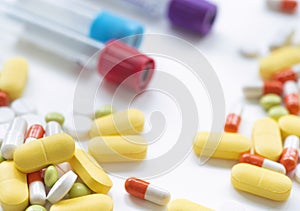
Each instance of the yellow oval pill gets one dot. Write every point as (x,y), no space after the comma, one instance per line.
(118,148)
(267,138)
(93,202)
(279,60)
(35,155)
(128,122)
(90,172)
(289,125)
(261,182)
(13,187)
(226,145)
(186,205)
(14,77)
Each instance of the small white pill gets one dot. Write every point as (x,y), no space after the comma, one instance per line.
(23,106)
(78,126)
(6,115)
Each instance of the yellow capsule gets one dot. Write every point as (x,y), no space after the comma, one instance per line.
(225,145)
(186,205)
(38,154)
(267,138)
(13,187)
(261,182)
(14,77)
(118,148)
(90,172)
(289,125)
(93,202)
(279,60)
(128,122)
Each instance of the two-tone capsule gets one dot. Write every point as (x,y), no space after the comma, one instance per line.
(258,90)
(291,97)
(290,74)
(34,132)
(289,157)
(233,120)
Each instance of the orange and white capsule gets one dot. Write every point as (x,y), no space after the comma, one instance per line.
(262,162)
(260,89)
(144,190)
(37,192)
(291,97)
(286,6)
(291,74)
(34,132)
(233,120)
(289,156)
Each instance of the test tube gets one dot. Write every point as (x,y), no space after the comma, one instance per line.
(115,60)
(83,19)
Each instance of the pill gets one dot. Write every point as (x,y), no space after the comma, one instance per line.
(221,145)
(36,208)
(37,192)
(3,130)
(93,202)
(34,132)
(289,125)
(250,50)
(56,117)
(23,106)
(291,97)
(270,100)
(127,122)
(279,60)
(6,115)
(52,128)
(289,157)
(233,120)
(14,137)
(90,172)
(297,173)
(62,168)
(287,6)
(267,138)
(289,74)
(144,190)
(10,181)
(107,149)
(4,98)
(262,162)
(38,154)
(14,77)
(261,182)
(78,189)
(50,176)
(104,111)
(260,89)
(61,187)
(186,205)
(33,119)
(78,126)
(277,112)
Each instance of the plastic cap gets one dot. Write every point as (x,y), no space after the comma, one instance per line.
(194,15)
(107,26)
(118,61)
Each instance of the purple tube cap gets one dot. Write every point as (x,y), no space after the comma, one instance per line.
(197,16)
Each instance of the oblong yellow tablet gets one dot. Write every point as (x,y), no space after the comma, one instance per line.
(261,182)
(279,60)
(128,122)
(14,77)
(289,125)
(90,172)
(267,138)
(118,148)
(13,187)
(186,205)
(93,202)
(225,145)
(35,155)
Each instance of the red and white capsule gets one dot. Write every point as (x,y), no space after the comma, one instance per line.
(286,6)
(291,74)
(4,99)
(289,156)
(34,132)
(37,191)
(233,119)
(144,190)
(291,97)
(262,162)
(260,89)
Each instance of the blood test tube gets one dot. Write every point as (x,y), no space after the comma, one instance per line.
(233,120)
(4,99)
(289,156)
(34,132)
(291,97)
(37,191)
(291,74)
(262,162)
(260,89)
(52,128)
(287,6)
(144,190)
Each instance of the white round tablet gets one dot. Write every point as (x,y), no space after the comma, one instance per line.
(23,106)
(61,187)
(78,126)
(6,115)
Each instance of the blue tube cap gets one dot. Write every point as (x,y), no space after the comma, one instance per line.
(107,26)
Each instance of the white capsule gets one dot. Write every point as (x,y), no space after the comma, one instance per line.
(37,193)
(23,106)
(274,166)
(52,128)
(14,137)
(282,38)
(6,115)
(253,91)
(157,195)
(63,168)
(78,126)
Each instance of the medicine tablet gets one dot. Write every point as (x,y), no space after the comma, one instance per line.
(79,189)
(36,208)
(6,115)
(250,50)
(54,116)
(23,106)
(78,126)
(52,128)
(289,125)
(50,176)
(186,205)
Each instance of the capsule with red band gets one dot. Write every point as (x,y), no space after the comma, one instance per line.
(34,132)
(291,97)
(260,89)
(144,190)
(289,157)
(4,98)
(286,6)
(291,74)
(262,162)
(233,120)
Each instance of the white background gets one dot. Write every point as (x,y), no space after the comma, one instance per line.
(52,82)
